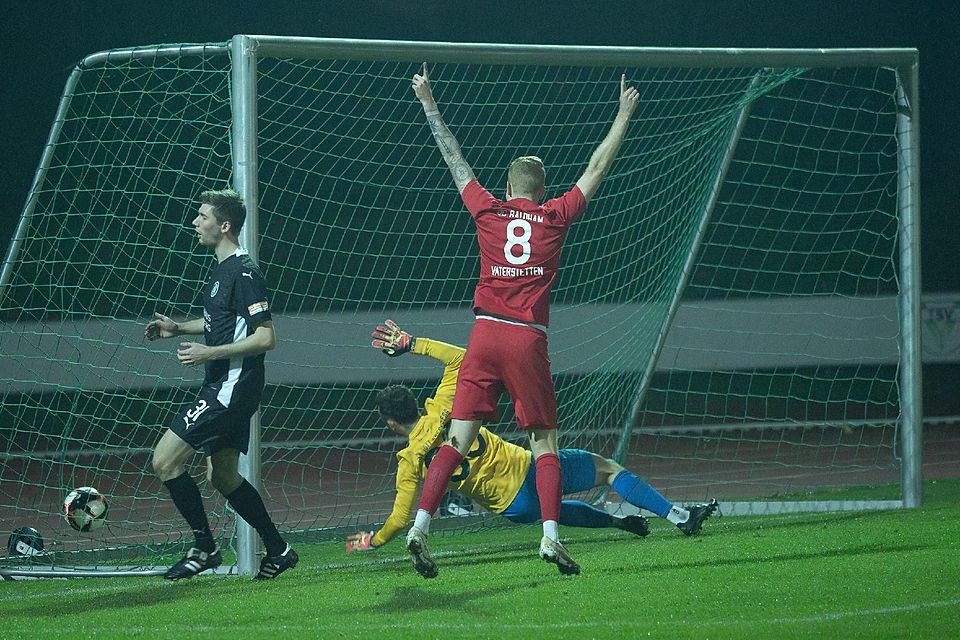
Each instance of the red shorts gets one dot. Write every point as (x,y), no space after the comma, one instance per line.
(509,357)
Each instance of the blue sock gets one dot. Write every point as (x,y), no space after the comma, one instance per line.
(574,513)
(638,493)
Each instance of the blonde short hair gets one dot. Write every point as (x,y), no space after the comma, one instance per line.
(526,175)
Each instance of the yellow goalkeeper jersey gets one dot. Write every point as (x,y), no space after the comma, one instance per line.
(491,473)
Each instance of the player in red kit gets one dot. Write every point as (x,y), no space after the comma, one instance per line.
(520,242)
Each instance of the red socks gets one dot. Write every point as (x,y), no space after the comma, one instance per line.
(438,475)
(549,486)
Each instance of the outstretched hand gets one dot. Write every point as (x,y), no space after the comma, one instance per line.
(421,87)
(360,541)
(629,97)
(391,339)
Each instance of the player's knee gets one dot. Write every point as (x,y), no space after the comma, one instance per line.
(165,467)
(606,468)
(224,480)
(543,441)
(460,444)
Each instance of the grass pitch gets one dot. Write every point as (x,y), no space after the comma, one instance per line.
(893,574)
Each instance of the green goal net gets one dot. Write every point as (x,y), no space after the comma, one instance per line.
(729,321)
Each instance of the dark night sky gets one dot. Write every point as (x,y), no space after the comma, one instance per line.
(41,42)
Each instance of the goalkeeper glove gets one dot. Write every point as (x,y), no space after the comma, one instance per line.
(360,541)
(392,340)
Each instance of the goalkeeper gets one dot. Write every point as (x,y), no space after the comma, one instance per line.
(496,474)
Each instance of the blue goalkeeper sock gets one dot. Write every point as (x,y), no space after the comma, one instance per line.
(574,513)
(638,493)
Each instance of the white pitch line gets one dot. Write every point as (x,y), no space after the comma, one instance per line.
(839,615)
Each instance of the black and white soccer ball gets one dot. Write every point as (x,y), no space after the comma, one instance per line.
(25,541)
(85,509)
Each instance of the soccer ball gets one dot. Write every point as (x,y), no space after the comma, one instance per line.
(85,509)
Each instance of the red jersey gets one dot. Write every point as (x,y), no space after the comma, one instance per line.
(520,243)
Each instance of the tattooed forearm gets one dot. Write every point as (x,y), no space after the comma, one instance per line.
(462,173)
(450,150)
(445,141)
(435,122)
(448,145)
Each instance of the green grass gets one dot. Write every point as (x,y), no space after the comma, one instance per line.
(892,574)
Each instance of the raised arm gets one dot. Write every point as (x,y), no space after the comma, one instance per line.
(394,341)
(603,156)
(449,147)
(452,358)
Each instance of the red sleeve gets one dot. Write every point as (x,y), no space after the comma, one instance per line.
(568,207)
(477,199)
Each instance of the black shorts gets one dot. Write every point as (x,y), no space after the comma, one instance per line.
(210,426)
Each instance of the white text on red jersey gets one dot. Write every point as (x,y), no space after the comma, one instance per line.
(515,272)
(522,215)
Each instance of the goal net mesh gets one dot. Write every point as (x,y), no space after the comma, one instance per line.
(776,372)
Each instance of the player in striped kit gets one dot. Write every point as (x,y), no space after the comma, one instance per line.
(237,330)
(520,242)
(498,475)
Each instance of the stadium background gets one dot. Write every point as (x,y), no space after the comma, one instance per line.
(41,43)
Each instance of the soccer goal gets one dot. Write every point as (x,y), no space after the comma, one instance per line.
(736,318)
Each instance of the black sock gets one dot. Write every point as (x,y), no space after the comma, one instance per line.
(187,499)
(249,505)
